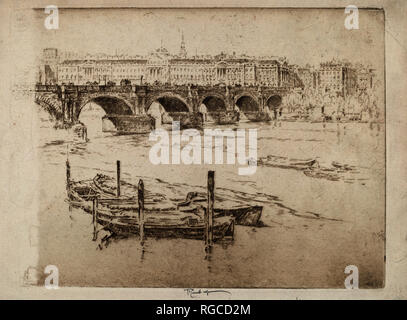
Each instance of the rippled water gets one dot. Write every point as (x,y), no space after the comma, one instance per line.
(316,226)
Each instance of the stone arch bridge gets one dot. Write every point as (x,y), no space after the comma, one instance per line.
(65,102)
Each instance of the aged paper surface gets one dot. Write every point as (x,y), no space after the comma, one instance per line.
(110,180)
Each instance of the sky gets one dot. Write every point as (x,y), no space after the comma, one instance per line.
(301,35)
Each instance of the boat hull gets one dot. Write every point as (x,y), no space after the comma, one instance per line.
(127,226)
(129,124)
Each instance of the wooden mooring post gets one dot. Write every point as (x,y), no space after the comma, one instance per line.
(68,182)
(140,199)
(118,177)
(68,173)
(209,211)
(95,217)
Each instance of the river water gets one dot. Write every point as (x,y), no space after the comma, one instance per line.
(316,226)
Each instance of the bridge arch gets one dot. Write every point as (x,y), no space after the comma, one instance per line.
(214,102)
(247,102)
(274,101)
(50,103)
(111,104)
(171,102)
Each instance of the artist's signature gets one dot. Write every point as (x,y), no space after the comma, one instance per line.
(192,293)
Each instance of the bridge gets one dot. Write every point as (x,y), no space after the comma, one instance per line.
(65,102)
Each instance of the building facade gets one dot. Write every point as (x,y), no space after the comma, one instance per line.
(48,73)
(161,67)
(365,78)
(337,77)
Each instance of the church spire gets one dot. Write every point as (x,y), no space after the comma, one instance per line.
(183,50)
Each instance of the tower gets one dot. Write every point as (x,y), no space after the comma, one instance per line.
(183,50)
(50,66)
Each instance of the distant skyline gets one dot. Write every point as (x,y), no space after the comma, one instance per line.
(302,36)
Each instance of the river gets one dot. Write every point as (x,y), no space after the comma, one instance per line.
(315,226)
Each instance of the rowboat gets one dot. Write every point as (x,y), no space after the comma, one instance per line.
(286,163)
(340,166)
(322,173)
(164,223)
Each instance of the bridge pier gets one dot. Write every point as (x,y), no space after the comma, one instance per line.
(194,101)
(134,101)
(67,116)
(140,99)
(67,110)
(63,107)
(73,111)
(262,104)
(68,103)
(63,103)
(142,105)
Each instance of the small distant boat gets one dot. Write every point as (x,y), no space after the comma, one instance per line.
(258,116)
(342,166)
(326,174)
(186,120)
(225,117)
(286,163)
(303,164)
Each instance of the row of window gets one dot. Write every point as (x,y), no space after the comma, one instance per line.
(337,87)
(173,69)
(325,72)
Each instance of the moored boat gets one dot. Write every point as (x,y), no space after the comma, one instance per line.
(105,186)
(171,224)
(244,215)
(161,223)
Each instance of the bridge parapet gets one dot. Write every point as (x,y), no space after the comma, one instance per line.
(46,88)
(98,88)
(136,88)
